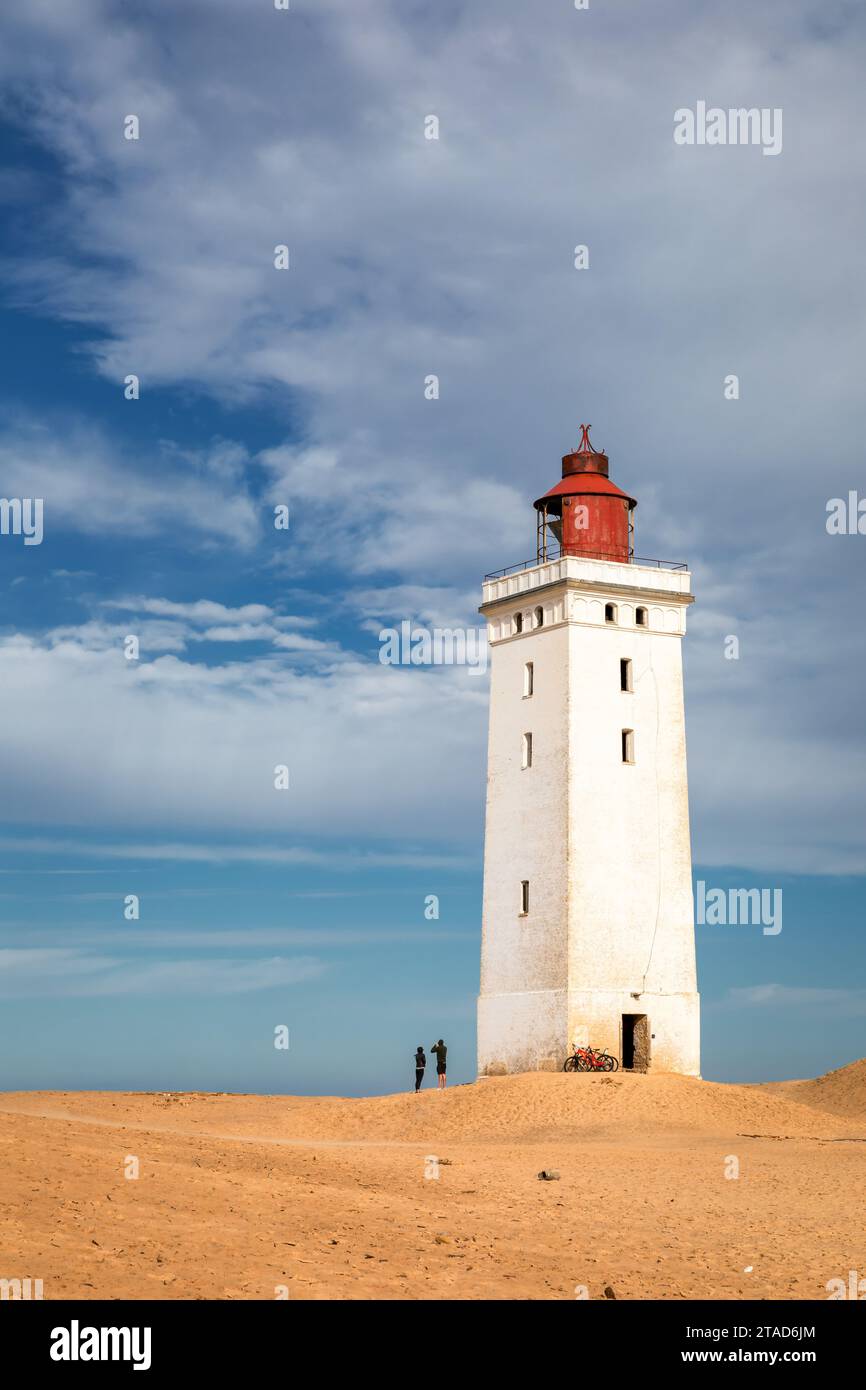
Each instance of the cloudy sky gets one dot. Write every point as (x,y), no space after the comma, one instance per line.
(261,387)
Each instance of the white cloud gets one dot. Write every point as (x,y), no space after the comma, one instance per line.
(182,624)
(454,256)
(373,751)
(218,852)
(412,257)
(73,972)
(201,611)
(90,488)
(437,607)
(274,939)
(378,755)
(841,1003)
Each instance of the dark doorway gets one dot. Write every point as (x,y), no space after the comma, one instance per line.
(635,1042)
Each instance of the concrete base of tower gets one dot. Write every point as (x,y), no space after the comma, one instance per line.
(647,1032)
(536,1030)
(522,1032)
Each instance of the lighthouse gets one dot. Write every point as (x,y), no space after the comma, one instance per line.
(588,929)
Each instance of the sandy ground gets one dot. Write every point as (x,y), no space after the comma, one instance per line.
(332,1198)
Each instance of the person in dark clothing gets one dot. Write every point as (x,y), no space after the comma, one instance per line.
(420,1064)
(440,1050)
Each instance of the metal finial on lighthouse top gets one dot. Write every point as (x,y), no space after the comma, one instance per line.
(585,446)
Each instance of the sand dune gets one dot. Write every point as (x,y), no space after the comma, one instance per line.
(240,1196)
(840,1092)
(531,1106)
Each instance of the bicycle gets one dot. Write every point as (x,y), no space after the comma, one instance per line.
(590,1059)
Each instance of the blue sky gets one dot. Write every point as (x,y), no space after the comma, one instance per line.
(305,387)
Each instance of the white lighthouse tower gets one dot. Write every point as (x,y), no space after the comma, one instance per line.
(588,932)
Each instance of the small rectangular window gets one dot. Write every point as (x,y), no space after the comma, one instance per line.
(624,674)
(524,898)
(527,750)
(628,745)
(528,679)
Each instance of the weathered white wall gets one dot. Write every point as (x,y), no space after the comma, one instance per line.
(526,954)
(595,1016)
(522,1031)
(604,844)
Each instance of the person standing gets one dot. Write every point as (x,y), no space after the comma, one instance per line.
(440,1051)
(420,1064)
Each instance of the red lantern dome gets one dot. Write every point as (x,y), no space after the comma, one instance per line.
(586,513)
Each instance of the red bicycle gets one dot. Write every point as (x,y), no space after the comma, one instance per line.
(590,1059)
